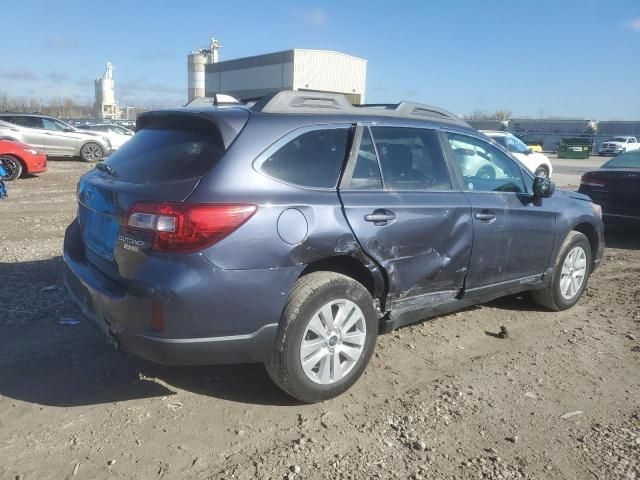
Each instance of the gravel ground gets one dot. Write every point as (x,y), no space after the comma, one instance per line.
(443,399)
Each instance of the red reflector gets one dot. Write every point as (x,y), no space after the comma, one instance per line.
(188,227)
(157,318)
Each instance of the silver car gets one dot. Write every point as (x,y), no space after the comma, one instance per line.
(54,137)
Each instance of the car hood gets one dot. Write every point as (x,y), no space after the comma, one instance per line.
(615,143)
(576,195)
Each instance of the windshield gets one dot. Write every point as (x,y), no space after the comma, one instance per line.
(512,143)
(617,139)
(626,160)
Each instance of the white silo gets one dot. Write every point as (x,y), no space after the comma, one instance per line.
(105,105)
(196,62)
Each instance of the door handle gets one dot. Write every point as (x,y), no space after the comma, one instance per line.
(380,217)
(485,216)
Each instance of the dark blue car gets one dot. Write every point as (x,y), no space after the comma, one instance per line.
(295,231)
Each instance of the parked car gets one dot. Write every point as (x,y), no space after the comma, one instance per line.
(293,232)
(18,158)
(54,137)
(536,162)
(116,134)
(534,144)
(616,187)
(618,145)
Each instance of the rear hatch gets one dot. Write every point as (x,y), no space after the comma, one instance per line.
(163,162)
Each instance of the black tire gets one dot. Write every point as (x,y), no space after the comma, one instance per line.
(309,294)
(551,296)
(12,165)
(91,152)
(542,171)
(486,172)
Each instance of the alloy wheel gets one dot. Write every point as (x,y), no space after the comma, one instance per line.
(333,342)
(574,270)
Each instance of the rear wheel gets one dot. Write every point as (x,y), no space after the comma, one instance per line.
(91,152)
(12,166)
(570,274)
(542,171)
(327,334)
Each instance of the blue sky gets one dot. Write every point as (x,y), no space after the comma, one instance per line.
(545,58)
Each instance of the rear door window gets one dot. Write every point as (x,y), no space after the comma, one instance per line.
(29,122)
(411,159)
(366,172)
(312,159)
(168,151)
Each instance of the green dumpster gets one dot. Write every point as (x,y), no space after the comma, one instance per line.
(575,147)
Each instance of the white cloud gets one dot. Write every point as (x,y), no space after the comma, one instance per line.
(634,24)
(315,17)
(60,41)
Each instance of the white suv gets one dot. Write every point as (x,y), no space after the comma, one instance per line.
(538,163)
(617,145)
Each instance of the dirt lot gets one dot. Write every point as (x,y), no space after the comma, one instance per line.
(558,399)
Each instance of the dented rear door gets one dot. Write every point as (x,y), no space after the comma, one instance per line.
(406,215)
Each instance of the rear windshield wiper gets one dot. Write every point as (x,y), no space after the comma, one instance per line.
(106,168)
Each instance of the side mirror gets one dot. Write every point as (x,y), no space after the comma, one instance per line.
(543,187)
(67,129)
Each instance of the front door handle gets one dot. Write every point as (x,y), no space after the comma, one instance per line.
(380,217)
(485,216)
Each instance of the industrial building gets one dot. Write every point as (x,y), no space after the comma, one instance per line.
(297,69)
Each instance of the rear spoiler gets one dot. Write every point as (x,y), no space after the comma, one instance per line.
(227,121)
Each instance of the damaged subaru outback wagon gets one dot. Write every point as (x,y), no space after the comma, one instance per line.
(294,231)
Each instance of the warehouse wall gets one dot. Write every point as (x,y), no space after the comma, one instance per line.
(251,77)
(329,72)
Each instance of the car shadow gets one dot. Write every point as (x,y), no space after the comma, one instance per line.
(623,236)
(47,361)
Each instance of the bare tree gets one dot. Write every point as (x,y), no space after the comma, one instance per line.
(502,115)
(478,115)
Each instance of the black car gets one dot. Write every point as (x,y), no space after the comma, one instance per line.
(616,187)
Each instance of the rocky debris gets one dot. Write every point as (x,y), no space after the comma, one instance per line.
(492,467)
(614,449)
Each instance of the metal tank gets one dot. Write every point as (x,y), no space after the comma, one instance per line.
(196,62)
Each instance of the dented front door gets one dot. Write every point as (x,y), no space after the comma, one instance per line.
(419,231)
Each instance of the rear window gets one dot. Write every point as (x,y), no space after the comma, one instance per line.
(168,151)
(626,160)
(313,159)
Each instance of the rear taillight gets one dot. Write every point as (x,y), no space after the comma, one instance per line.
(590,180)
(187,227)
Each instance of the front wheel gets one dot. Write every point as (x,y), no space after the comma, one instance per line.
(542,171)
(487,173)
(91,152)
(570,274)
(327,334)
(12,166)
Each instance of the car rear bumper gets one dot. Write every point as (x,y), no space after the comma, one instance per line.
(251,348)
(211,316)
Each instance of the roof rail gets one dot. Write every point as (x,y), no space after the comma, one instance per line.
(289,101)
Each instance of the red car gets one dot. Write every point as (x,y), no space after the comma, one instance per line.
(18,158)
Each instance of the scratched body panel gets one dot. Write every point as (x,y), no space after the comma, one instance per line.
(426,248)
